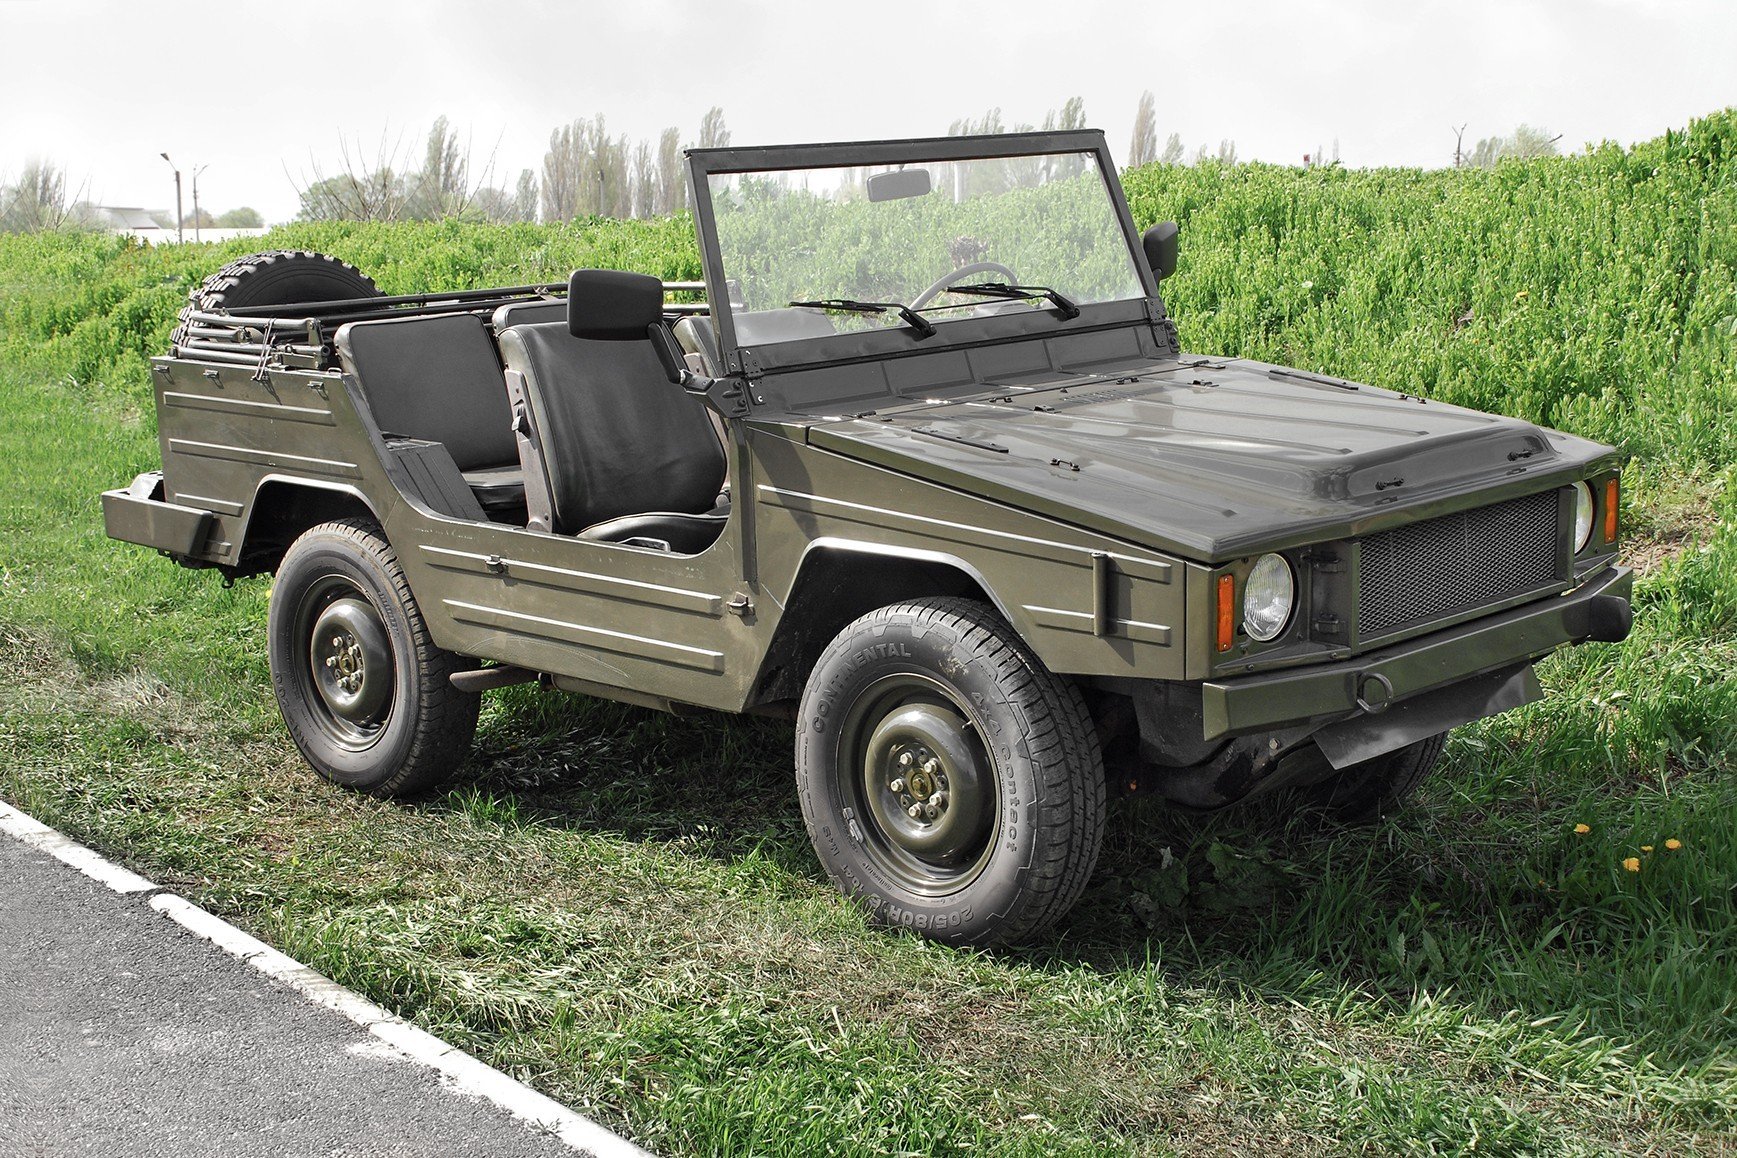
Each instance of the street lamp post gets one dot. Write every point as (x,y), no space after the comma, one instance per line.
(196,173)
(179,234)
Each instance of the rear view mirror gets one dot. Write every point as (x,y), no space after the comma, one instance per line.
(899,184)
(1161,243)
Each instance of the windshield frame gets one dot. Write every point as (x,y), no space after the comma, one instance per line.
(705,163)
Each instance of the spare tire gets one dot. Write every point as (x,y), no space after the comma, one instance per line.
(277,277)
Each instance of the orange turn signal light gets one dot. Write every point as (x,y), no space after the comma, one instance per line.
(1226,611)
(1610,511)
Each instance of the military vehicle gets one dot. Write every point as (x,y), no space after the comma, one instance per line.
(921,466)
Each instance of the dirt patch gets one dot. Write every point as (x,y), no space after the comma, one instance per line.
(1669,525)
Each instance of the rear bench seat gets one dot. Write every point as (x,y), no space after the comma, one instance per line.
(438,379)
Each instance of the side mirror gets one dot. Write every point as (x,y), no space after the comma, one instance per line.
(899,184)
(1161,243)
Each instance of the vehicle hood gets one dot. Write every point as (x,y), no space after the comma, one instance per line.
(1213,459)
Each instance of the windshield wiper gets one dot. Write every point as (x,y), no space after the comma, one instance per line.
(1000,289)
(911,317)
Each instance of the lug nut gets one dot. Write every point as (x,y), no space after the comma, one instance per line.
(931,765)
(915,811)
(906,759)
(898,784)
(939,800)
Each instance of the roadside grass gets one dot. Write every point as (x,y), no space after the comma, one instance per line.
(622,908)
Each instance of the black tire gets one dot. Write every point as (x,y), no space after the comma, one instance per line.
(277,277)
(364,691)
(1008,830)
(1366,792)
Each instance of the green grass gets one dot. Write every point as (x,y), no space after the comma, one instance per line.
(622,908)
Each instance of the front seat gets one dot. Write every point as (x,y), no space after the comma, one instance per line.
(612,449)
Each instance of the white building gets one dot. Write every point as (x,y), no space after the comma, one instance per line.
(142,224)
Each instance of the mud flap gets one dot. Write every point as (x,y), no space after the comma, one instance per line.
(1377,733)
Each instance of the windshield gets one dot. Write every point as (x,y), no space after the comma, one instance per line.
(949,240)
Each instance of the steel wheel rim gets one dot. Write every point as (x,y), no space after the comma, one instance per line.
(344,662)
(909,741)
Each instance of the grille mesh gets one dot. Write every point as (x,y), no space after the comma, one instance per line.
(1431,570)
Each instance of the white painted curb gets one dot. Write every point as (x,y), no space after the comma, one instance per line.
(461,1071)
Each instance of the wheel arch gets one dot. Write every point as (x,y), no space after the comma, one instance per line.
(839,580)
(283,508)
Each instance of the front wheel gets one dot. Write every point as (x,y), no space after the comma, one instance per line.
(364,691)
(950,782)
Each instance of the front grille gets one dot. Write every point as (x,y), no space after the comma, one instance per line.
(1431,570)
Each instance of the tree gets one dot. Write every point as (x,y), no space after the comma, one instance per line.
(1527,142)
(361,190)
(37,202)
(586,172)
(1227,152)
(672,186)
(713,134)
(614,193)
(440,188)
(1072,115)
(644,181)
(1172,154)
(244,217)
(376,195)
(525,197)
(563,172)
(989,125)
(1143,148)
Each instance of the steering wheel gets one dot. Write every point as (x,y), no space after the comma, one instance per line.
(959,275)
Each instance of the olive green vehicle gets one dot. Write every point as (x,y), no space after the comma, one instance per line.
(920,465)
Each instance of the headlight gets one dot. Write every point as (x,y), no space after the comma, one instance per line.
(1267,597)
(1582,515)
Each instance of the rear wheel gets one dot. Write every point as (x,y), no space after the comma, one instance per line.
(1364,793)
(950,782)
(364,691)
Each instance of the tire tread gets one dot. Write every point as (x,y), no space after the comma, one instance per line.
(1061,742)
(443,729)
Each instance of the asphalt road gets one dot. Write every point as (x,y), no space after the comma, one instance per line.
(122,1034)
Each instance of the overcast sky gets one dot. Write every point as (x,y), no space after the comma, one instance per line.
(252,90)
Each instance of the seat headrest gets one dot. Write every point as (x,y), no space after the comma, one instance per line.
(612,305)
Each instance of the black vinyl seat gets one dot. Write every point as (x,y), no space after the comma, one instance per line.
(528,313)
(436,378)
(612,449)
(697,336)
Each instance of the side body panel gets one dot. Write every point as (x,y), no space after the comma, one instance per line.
(657,624)
(608,615)
(222,435)
(1087,604)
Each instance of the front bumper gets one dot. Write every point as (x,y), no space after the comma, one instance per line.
(1596,610)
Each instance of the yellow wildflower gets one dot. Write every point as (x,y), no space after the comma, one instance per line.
(1673,844)
(1632,864)
(1582,829)
(1646,848)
